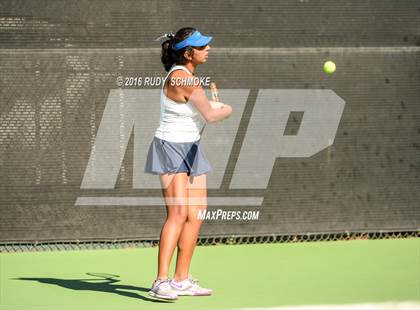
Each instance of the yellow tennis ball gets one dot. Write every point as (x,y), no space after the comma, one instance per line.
(329,67)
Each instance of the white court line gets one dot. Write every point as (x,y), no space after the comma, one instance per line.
(219,50)
(406,305)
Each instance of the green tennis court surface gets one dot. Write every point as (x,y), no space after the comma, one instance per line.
(242,276)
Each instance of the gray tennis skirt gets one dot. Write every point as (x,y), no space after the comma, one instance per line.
(173,157)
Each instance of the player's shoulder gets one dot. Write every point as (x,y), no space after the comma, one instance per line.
(185,80)
(181,73)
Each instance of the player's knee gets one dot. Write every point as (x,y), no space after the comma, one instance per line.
(178,214)
(198,217)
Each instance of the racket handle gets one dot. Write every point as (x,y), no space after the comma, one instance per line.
(214,92)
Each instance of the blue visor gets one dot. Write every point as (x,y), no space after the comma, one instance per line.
(196,39)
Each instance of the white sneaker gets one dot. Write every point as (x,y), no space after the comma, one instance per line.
(189,287)
(161,288)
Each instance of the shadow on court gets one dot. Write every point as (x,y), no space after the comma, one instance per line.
(105,285)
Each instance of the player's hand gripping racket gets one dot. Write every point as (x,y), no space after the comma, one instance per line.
(214,96)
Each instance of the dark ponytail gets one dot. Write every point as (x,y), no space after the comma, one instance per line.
(169,56)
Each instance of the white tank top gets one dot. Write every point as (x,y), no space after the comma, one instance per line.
(179,122)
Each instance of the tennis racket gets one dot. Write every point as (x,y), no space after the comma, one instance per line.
(214,96)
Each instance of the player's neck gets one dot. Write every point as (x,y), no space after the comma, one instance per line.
(190,67)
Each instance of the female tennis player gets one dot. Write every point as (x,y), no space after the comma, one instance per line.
(176,155)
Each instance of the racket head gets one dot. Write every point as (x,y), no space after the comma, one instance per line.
(107,276)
